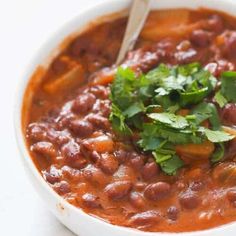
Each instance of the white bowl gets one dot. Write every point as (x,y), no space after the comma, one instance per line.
(75,219)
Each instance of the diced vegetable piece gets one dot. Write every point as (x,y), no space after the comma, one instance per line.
(166,23)
(104,77)
(196,152)
(102,144)
(67,81)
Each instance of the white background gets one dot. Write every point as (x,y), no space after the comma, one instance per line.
(24,26)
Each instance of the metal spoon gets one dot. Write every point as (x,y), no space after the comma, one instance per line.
(137,17)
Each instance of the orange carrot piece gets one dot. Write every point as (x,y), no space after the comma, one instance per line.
(104,77)
(196,152)
(165,24)
(102,144)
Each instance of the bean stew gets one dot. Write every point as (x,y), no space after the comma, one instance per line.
(149,144)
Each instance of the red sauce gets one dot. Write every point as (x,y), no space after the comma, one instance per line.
(73,145)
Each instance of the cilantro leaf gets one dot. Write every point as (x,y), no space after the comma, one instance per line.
(133,109)
(179,136)
(206,111)
(162,71)
(218,136)
(155,97)
(149,143)
(193,97)
(220,99)
(170,119)
(198,88)
(168,163)
(228,85)
(149,138)
(189,69)
(218,153)
(118,121)
(122,88)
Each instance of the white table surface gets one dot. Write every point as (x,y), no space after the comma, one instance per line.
(24,25)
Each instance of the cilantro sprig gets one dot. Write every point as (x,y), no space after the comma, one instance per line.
(150,105)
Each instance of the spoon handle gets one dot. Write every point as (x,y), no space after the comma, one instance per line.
(137,17)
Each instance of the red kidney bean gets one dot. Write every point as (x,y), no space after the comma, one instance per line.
(71,173)
(230,44)
(37,132)
(108,163)
(216,68)
(136,161)
(73,157)
(83,103)
(64,120)
(137,200)
(157,191)
(103,108)
(150,170)
(186,56)
(118,190)
(197,185)
(172,213)
(100,91)
(189,200)
(53,175)
(81,127)
(121,156)
(99,121)
(146,218)
(94,175)
(141,59)
(87,150)
(201,38)
(228,114)
(58,137)
(46,149)
(86,147)
(62,187)
(95,156)
(90,200)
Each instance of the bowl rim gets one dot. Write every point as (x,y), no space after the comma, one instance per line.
(38,55)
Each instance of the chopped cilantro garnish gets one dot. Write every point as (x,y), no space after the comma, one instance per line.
(205,111)
(118,121)
(218,153)
(151,105)
(218,136)
(227,92)
(220,99)
(170,119)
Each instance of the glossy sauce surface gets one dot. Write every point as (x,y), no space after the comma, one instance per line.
(74,147)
